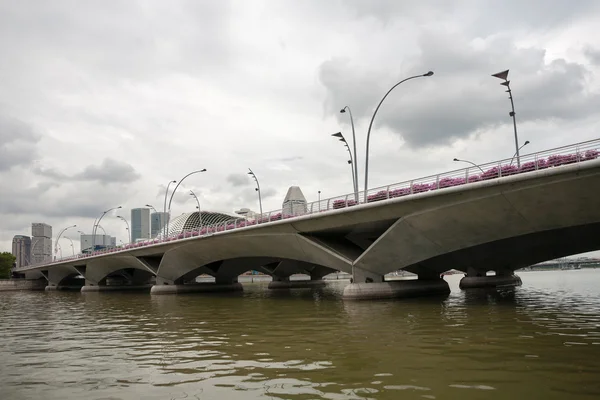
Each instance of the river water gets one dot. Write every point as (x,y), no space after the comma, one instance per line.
(538,341)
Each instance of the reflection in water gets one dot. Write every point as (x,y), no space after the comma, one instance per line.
(541,340)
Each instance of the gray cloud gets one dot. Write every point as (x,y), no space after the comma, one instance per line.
(18,143)
(237,180)
(109,171)
(592,54)
(461,99)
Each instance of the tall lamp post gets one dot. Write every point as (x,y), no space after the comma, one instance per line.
(504,76)
(72,246)
(58,238)
(164,228)
(199,211)
(467,161)
(175,189)
(524,144)
(258,190)
(352,163)
(128,230)
(430,73)
(355,159)
(98,223)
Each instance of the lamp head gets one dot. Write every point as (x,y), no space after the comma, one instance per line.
(428,73)
(343,110)
(338,135)
(501,75)
(456,159)
(203,170)
(526,143)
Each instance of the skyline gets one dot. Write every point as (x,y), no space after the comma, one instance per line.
(98,111)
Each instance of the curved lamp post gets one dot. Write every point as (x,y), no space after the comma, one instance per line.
(258,190)
(352,163)
(98,223)
(467,161)
(513,157)
(72,247)
(175,189)
(58,238)
(59,248)
(152,207)
(199,211)
(355,160)
(128,230)
(371,125)
(164,227)
(504,76)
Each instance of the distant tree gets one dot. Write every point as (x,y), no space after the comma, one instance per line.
(6,262)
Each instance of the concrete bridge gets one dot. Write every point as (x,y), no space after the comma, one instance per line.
(494,217)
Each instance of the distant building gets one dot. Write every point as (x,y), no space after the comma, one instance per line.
(157,221)
(41,243)
(140,224)
(294,202)
(21,249)
(246,213)
(101,241)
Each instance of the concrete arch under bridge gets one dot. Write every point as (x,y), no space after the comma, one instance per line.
(500,224)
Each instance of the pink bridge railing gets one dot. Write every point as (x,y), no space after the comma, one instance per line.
(554,158)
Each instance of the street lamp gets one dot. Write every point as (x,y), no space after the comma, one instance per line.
(430,73)
(58,238)
(355,159)
(258,190)
(165,209)
(98,223)
(513,157)
(128,230)
(152,207)
(175,189)
(467,161)
(504,75)
(199,211)
(352,163)
(72,247)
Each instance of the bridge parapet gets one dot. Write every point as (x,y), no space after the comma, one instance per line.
(545,160)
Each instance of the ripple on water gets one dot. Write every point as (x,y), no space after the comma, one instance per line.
(539,339)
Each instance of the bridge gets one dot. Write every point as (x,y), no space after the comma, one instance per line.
(492,217)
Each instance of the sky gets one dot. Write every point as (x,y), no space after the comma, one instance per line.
(102,103)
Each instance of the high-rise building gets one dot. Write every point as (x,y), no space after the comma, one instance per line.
(157,221)
(21,249)
(41,243)
(294,202)
(140,224)
(100,241)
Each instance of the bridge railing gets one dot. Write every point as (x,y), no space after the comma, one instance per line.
(553,158)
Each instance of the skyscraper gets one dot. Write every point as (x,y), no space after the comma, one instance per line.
(21,249)
(41,243)
(140,224)
(158,221)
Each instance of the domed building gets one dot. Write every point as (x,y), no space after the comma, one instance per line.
(190,221)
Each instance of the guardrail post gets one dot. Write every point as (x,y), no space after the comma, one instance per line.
(328,201)
(499,169)
(578,155)
(387,193)
(467,175)
(411,187)
(437,181)
(535,162)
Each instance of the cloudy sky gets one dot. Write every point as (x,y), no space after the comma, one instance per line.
(104,102)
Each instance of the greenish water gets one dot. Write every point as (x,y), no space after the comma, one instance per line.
(539,341)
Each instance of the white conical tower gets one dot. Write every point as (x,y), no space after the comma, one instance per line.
(294,202)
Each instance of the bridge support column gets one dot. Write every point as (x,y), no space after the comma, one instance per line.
(478,279)
(164,286)
(369,286)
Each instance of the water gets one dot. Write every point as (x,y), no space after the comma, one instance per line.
(539,341)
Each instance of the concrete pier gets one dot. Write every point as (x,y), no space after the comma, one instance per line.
(395,289)
(471,282)
(196,288)
(297,284)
